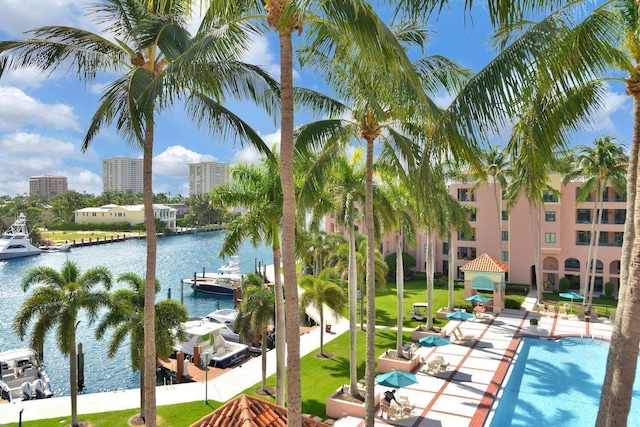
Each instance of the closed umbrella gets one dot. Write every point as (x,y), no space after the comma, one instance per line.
(477,298)
(397,379)
(571,296)
(460,315)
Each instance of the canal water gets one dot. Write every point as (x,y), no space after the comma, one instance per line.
(178,258)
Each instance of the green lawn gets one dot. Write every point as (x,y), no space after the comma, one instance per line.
(320,376)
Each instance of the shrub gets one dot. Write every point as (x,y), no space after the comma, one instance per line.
(564,284)
(408,262)
(533,321)
(608,289)
(513,303)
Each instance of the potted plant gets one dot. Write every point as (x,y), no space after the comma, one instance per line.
(533,323)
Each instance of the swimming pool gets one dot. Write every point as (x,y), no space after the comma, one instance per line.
(556,383)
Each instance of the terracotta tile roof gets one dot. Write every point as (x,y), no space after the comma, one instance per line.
(485,263)
(249,411)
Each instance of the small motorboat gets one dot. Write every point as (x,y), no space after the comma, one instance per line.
(21,377)
(56,248)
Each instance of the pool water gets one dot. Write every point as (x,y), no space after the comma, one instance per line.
(557,383)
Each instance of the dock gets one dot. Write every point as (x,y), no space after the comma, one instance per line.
(195,373)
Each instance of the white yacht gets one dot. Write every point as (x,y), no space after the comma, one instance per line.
(224,282)
(21,377)
(15,243)
(207,337)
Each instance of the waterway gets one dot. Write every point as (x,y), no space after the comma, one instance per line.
(178,258)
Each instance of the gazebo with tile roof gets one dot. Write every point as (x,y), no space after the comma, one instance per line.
(249,411)
(485,274)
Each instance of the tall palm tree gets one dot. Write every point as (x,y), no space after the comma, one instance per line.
(603,164)
(341,190)
(125,316)
(58,304)
(256,312)
(320,291)
(257,189)
(159,63)
(495,167)
(404,226)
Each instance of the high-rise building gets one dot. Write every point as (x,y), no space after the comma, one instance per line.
(204,176)
(47,185)
(122,174)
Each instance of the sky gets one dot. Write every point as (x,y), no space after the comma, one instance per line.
(44,117)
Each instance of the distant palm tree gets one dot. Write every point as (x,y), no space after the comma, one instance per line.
(495,168)
(603,164)
(256,312)
(125,316)
(320,291)
(58,303)
(256,188)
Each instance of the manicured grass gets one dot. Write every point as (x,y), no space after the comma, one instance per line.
(57,237)
(179,415)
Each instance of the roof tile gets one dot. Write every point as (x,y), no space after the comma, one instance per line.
(485,263)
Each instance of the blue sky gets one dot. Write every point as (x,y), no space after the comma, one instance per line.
(43,118)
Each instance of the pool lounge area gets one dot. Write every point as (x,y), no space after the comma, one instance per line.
(464,393)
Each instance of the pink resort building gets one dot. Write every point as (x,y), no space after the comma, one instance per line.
(565,236)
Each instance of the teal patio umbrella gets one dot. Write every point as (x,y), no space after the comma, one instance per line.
(434,341)
(397,379)
(477,298)
(460,315)
(571,296)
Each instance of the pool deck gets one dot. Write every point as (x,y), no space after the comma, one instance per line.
(464,394)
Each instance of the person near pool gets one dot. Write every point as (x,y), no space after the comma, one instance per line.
(389,396)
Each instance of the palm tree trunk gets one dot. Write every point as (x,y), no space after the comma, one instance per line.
(353,296)
(292,309)
(263,351)
(429,268)
(279,321)
(596,241)
(535,247)
(150,281)
(399,290)
(615,400)
(590,255)
(322,326)
(370,358)
(73,377)
(499,216)
(451,272)
(142,394)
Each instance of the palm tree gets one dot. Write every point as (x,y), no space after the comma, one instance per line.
(341,189)
(320,291)
(256,311)
(160,63)
(257,189)
(603,164)
(495,167)
(126,318)
(58,303)
(398,193)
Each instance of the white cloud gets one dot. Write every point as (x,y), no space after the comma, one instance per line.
(29,154)
(17,110)
(28,77)
(175,159)
(250,155)
(82,180)
(19,16)
(614,102)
